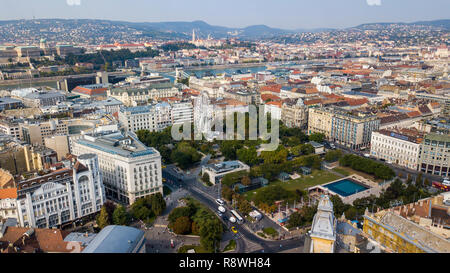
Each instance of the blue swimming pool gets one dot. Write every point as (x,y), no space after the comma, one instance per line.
(346,187)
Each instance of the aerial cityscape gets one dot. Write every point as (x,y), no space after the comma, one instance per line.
(200,130)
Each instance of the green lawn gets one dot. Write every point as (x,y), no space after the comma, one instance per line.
(342,171)
(318,177)
(350,171)
(271,232)
(231,246)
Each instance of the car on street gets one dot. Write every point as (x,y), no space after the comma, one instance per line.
(219,213)
(220,202)
(367,155)
(232,219)
(222,209)
(233,228)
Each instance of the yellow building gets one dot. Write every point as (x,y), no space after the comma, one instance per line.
(320,121)
(323,230)
(401,235)
(38,157)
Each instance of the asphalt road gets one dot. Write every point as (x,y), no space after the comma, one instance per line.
(207,196)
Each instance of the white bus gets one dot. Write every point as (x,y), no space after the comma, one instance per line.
(237,216)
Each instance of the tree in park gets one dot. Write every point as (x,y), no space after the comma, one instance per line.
(295,220)
(227,193)
(182,225)
(142,213)
(110,208)
(351,213)
(158,204)
(317,137)
(243,205)
(333,155)
(205,177)
(211,234)
(103,218)
(246,181)
(121,216)
(419,179)
(339,206)
(248,156)
(409,179)
(195,228)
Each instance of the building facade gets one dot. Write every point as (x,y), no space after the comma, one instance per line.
(399,146)
(61,196)
(217,171)
(130,170)
(320,121)
(294,114)
(353,130)
(36,132)
(435,154)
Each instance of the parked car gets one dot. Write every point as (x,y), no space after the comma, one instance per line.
(222,209)
(220,202)
(232,219)
(367,155)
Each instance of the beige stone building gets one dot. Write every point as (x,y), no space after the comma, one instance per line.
(59,144)
(294,113)
(35,133)
(320,121)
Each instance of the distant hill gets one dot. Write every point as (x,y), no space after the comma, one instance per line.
(204,29)
(442,24)
(106,31)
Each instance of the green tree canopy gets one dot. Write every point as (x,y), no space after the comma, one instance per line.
(182,225)
(103,218)
(121,216)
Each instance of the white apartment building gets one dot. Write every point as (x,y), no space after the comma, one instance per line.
(130,170)
(274,108)
(399,146)
(62,196)
(155,117)
(8,203)
(10,129)
(182,112)
(132,95)
(208,112)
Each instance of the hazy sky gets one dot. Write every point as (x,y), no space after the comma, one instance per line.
(289,14)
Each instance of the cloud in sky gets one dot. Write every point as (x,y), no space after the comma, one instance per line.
(374,2)
(73,2)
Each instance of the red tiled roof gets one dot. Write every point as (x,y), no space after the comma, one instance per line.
(271,88)
(414,114)
(8,193)
(266,97)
